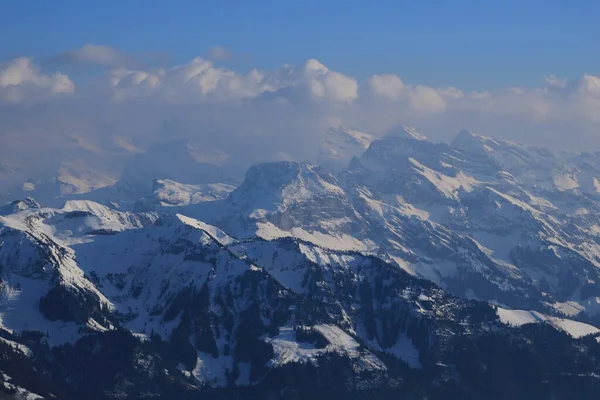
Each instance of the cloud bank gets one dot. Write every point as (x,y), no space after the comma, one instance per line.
(22,80)
(262,115)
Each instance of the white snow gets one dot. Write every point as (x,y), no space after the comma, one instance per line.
(20,392)
(342,241)
(591,306)
(170,193)
(406,132)
(449,186)
(20,312)
(568,308)
(288,350)
(213,231)
(519,317)
(575,329)
(324,258)
(565,182)
(596,184)
(340,145)
(520,196)
(17,346)
(52,240)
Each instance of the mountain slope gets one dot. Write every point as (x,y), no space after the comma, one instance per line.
(466,216)
(218,312)
(421,270)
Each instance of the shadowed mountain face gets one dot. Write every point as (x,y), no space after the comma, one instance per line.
(420,270)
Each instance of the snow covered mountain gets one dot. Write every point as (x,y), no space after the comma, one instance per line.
(468,270)
(168,193)
(465,216)
(82,165)
(116,172)
(181,161)
(220,312)
(340,145)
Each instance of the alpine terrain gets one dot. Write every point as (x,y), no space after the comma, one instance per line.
(398,268)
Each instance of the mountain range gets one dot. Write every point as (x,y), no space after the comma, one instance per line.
(397,268)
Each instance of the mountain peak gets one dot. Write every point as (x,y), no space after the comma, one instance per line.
(20,205)
(341,144)
(349,137)
(470,141)
(270,184)
(406,132)
(276,171)
(467,134)
(30,202)
(283,174)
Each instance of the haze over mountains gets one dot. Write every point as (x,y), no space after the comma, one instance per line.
(79,123)
(397,267)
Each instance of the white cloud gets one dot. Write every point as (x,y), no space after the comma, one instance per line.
(426,99)
(583,98)
(324,83)
(454,93)
(387,86)
(197,80)
(278,114)
(127,84)
(312,87)
(201,80)
(589,85)
(553,82)
(418,98)
(381,102)
(22,80)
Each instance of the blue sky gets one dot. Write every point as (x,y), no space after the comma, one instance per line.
(464,43)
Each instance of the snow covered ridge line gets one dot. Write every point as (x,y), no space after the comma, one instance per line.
(215,311)
(482,218)
(473,203)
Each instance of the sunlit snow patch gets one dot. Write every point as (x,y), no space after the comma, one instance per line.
(288,350)
(521,317)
